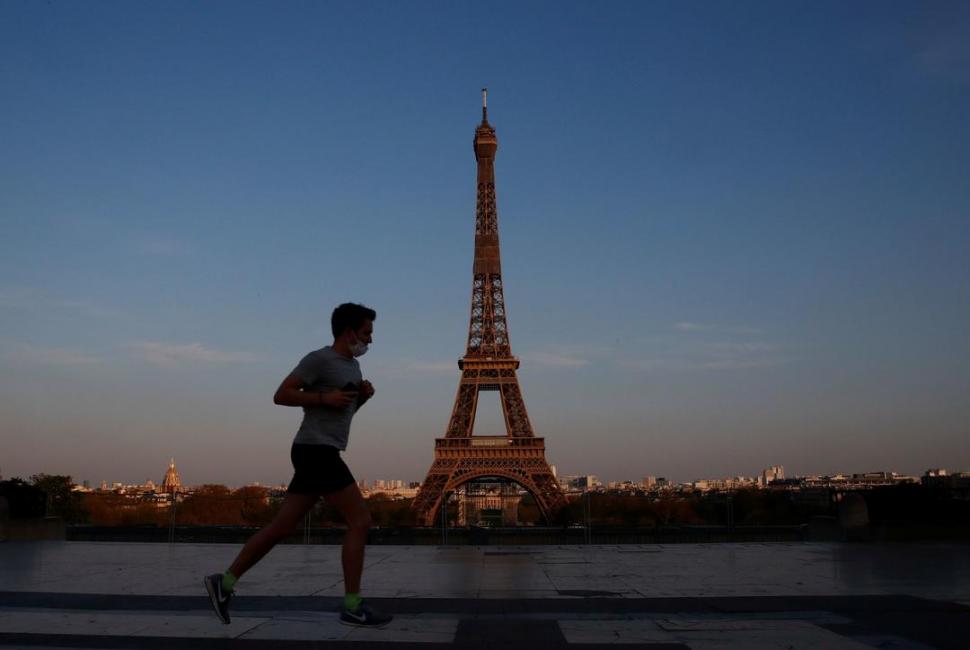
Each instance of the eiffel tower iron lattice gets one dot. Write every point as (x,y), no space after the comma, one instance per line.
(488,364)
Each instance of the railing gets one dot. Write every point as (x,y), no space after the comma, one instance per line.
(321,527)
(490,441)
(454,536)
(590,518)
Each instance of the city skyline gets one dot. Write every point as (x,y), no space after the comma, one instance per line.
(767,473)
(728,234)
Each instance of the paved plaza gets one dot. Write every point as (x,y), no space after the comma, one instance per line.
(697,596)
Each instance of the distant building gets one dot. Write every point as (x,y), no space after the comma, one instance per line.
(172,482)
(940,478)
(773,473)
(623,486)
(649,482)
(584,482)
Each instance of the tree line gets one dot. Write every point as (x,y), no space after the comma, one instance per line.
(217,505)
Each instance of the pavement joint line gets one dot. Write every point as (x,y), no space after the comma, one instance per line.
(595,605)
(301,616)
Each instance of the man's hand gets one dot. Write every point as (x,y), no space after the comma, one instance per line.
(366,392)
(292,392)
(338,399)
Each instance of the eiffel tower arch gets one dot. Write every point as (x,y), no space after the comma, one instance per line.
(488,365)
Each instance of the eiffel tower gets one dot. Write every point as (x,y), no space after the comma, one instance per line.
(488,364)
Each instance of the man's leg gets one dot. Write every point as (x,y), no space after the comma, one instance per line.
(350,503)
(294,509)
(220,586)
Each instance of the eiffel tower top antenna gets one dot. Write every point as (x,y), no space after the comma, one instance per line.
(485,105)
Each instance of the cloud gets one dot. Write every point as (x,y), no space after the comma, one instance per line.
(686,326)
(18,296)
(52,356)
(433,366)
(554,360)
(401,367)
(29,298)
(87,308)
(716,355)
(170,355)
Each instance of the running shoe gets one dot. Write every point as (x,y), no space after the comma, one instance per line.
(364,617)
(219,598)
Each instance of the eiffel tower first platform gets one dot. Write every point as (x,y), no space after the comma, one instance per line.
(488,364)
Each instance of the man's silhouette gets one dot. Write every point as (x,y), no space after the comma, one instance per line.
(328,385)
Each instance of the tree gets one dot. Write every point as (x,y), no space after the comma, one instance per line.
(62,501)
(387,512)
(208,505)
(25,500)
(255,506)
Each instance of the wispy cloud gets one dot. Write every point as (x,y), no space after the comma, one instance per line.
(687,326)
(732,355)
(51,356)
(19,297)
(690,326)
(29,298)
(170,355)
(88,308)
(554,360)
(403,367)
(716,355)
(432,366)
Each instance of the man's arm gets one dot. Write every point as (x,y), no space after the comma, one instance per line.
(292,393)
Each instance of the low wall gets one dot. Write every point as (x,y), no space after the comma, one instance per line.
(453,536)
(48,528)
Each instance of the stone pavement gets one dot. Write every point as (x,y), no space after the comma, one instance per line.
(697,596)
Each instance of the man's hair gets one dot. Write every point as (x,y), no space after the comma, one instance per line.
(351,315)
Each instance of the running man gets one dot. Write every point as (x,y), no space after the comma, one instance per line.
(327,383)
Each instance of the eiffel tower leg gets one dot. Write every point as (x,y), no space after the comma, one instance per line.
(548,495)
(463,414)
(516,419)
(460,425)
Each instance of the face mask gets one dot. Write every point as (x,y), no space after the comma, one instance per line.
(358,348)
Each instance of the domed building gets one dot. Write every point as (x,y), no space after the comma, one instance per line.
(172,482)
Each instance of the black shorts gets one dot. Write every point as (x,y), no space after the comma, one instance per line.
(318,470)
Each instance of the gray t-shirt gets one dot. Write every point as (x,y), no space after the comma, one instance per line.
(324,370)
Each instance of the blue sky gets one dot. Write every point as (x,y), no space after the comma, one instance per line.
(733,235)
